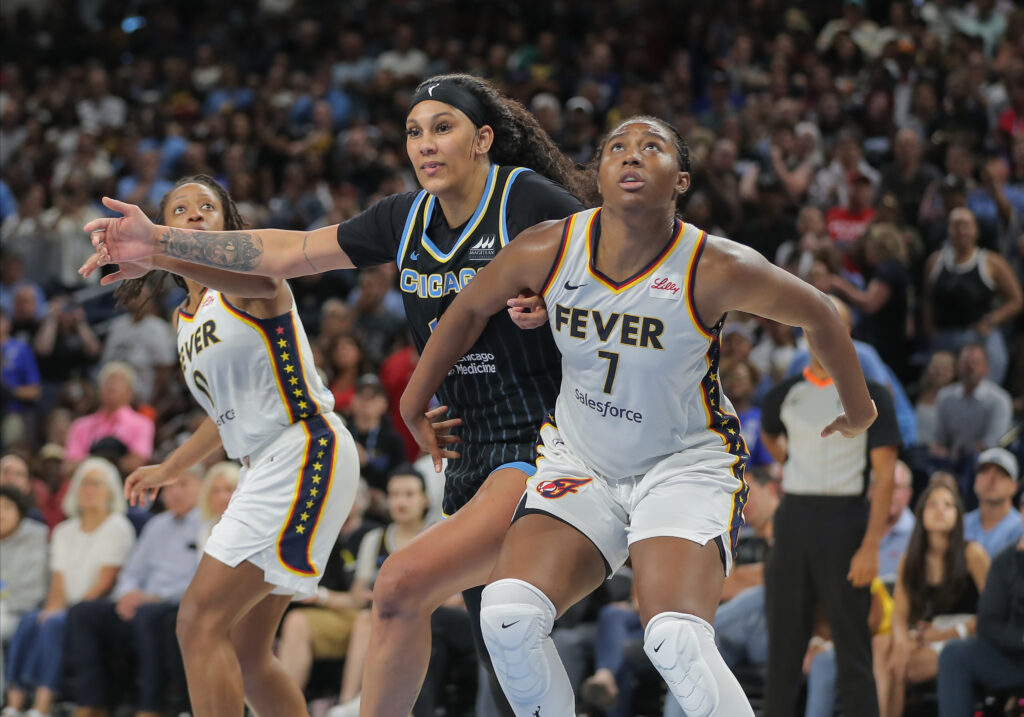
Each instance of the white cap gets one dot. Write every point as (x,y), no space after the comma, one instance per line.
(999,457)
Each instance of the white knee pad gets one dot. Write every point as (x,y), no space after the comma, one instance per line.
(673,643)
(683,649)
(516,618)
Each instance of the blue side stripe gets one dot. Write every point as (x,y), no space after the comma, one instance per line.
(503,236)
(407,229)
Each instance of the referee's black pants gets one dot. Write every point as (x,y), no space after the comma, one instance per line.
(815,539)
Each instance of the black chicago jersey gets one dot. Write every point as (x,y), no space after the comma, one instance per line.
(507,382)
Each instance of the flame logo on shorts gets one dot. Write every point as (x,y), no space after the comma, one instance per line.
(560,486)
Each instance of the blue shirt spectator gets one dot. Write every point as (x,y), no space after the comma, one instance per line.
(1006,532)
(8,203)
(164,559)
(750,420)
(995,482)
(19,373)
(894,545)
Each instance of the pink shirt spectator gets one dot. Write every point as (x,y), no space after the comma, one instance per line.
(128,426)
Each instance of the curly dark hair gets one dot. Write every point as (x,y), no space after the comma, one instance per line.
(520,141)
(153,282)
(954,564)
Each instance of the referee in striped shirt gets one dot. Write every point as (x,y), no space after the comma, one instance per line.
(826,535)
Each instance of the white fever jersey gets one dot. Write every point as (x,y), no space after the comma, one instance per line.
(254,377)
(639,369)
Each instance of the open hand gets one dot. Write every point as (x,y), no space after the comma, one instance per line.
(125,238)
(433,434)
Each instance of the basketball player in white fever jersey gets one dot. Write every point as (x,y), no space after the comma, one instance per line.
(643,457)
(248,363)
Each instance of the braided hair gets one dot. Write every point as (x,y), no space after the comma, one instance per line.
(519,140)
(153,281)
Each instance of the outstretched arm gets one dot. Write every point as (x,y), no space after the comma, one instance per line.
(267,252)
(233,283)
(733,277)
(523,264)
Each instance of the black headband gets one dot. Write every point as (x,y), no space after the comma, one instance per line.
(454,95)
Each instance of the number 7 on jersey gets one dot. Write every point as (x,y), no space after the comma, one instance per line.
(613,364)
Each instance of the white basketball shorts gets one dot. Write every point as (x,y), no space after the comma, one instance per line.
(290,504)
(696,494)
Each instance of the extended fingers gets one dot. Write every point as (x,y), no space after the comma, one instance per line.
(117,206)
(90,265)
(442,426)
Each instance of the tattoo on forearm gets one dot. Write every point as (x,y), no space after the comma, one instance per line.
(237,251)
(308,260)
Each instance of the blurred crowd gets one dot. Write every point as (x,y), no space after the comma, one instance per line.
(876,149)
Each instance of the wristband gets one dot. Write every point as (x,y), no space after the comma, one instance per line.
(961,630)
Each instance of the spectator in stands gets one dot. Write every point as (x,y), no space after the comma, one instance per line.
(899,525)
(65,345)
(908,176)
(24,570)
(940,372)
(26,222)
(12,277)
(378,312)
(114,419)
(134,619)
(831,185)
(849,220)
(20,384)
(335,319)
(995,523)
(405,62)
(380,447)
(962,283)
(993,659)
(348,362)
(739,379)
(883,302)
(100,110)
(25,314)
(395,372)
(49,484)
(219,485)
(974,412)
(86,555)
(14,473)
(145,342)
(936,598)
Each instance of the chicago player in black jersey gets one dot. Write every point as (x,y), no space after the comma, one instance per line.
(488,171)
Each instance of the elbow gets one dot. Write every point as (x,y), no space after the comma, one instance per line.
(264,287)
